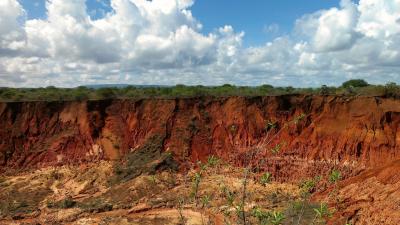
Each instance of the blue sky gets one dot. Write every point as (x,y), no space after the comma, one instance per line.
(37,8)
(300,43)
(261,20)
(255,16)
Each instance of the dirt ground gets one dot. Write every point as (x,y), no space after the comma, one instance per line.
(89,194)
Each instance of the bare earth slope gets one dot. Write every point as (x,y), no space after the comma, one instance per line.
(357,135)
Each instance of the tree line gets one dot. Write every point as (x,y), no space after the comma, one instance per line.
(355,87)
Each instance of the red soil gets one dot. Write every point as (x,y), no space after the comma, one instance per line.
(353,131)
(356,135)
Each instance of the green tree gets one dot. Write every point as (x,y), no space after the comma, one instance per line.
(106,93)
(324,90)
(355,83)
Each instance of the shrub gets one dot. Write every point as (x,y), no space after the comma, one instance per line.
(265,178)
(308,186)
(55,175)
(195,186)
(322,213)
(66,203)
(277,218)
(391,90)
(335,176)
(96,206)
(181,203)
(325,90)
(205,200)
(229,195)
(261,215)
(212,161)
(276,149)
(355,83)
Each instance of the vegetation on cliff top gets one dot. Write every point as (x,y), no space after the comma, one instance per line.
(350,88)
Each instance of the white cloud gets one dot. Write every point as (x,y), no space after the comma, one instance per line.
(335,29)
(11,31)
(160,42)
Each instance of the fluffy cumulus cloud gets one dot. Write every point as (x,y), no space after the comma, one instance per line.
(160,42)
(11,31)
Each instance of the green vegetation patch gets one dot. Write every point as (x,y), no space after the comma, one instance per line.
(350,87)
(96,206)
(65,203)
(17,202)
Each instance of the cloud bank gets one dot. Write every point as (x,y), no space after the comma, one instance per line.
(160,42)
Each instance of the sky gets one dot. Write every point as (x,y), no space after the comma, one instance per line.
(302,43)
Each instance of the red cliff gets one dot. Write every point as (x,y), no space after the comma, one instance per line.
(358,135)
(354,132)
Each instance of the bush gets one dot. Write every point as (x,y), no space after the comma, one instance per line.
(355,83)
(392,90)
(265,178)
(213,161)
(66,203)
(106,93)
(96,206)
(325,90)
(55,175)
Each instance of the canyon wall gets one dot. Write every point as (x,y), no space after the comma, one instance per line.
(322,131)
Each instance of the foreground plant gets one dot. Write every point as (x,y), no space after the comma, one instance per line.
(153,179)
(334,177)
(276,149)
(205,201)
(321,214)
(195,186)
(229,195)
(306,188)
(181,203)
(213,161)
(277,218)
(244,195)
(261,215)
(265,179)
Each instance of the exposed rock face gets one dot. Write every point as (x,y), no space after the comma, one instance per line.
(357,132)
(360,136)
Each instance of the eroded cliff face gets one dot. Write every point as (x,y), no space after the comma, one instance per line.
(359,136)
(354,133)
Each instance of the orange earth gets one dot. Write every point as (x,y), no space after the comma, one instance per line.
(315,134)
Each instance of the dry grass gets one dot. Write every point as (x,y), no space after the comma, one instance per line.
(146,199)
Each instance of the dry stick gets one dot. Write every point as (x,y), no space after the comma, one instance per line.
(301,213)
(244,196)
(255,152)
(180,210)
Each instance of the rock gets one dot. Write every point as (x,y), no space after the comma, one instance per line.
(141,207)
